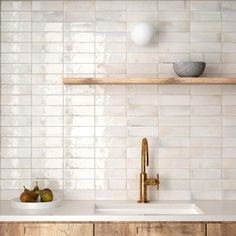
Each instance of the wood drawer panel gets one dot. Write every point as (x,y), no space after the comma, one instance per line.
(46,229)
(150,229)
(221,229)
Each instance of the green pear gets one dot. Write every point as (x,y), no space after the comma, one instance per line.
(45,195)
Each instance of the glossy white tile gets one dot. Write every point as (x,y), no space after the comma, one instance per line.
(86,140)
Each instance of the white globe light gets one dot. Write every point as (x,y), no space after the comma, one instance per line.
(142,34)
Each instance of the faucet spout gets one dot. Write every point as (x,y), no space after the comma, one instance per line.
(144,155)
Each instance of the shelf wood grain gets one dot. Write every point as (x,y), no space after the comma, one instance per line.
(170,80)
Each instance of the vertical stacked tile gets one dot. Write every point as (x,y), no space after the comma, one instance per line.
(228,38)
(110,142)
(110,101)
(228,97)
(79,143)
(87,139)
(142,101)
(173,34)
(174,142)
(79,100)
(142,121)
(47,97)
(142,60)
(110,29)
(205,34)
(228,142)
(206,141)
(79,38)
(15,97)
(0,101)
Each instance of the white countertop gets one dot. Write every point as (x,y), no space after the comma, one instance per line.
(80,211)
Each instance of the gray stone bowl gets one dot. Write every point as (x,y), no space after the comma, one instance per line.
(189,69)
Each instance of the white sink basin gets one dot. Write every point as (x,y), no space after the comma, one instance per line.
(148,209)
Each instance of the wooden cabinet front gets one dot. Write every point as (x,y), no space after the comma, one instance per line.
(170,229)
(119,229)
(114,229)
(11,229)
(46,229)
(150,229)
(221,229)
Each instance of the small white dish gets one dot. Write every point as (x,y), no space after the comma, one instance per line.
(16,203)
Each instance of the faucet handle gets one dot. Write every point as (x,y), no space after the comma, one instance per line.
(152,181)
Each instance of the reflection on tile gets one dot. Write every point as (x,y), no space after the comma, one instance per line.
(86,140)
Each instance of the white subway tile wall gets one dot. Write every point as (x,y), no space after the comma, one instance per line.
(85,140)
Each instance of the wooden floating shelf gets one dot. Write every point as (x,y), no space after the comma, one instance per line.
(170,80)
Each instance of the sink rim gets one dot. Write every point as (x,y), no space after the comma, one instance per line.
(150,208)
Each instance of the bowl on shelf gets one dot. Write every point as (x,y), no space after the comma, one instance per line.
(189,69)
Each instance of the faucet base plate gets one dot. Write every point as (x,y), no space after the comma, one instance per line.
(143,201)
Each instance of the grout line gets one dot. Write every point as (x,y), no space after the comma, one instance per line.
(0,101)
(158,37)
(189,114)
(189,31)
(158,97)
(158,142)
(94,103)
(63,104)
(221,31)
(221,149)
(31,112)
(126,93)
(190,146)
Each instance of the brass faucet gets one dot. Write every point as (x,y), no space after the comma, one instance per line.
(144,181)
